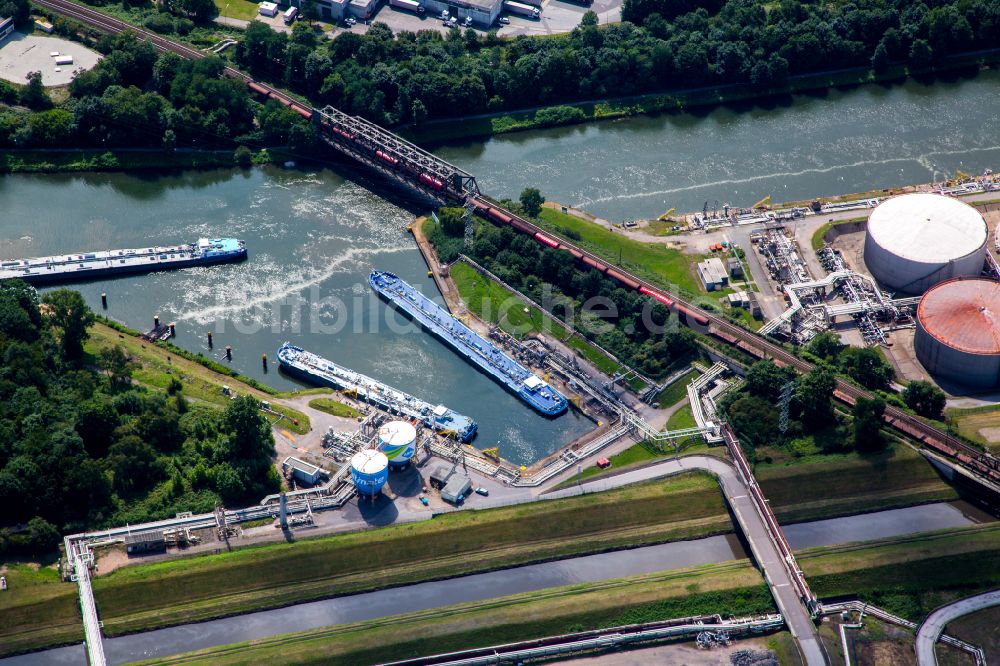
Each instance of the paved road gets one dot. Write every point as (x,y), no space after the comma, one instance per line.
(931,628)
(752,525)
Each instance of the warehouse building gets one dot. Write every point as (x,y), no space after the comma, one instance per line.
(958,332)
(713,274)
(916,240)
(138,543)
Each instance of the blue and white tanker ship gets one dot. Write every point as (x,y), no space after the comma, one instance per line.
(109,263)
(318,370)
(475,348)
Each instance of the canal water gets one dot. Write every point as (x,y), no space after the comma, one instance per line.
(837,142)
(314,236)
(476,587)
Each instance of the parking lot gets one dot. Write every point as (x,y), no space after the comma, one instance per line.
(557,17)
(21,54)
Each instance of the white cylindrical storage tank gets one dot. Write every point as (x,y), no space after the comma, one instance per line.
(398,441)
(917,240)
(369,471)
(958,332)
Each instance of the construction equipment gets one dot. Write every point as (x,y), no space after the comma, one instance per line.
(764,203)
(493,453)
(666,216)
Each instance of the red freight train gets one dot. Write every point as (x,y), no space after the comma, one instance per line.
(387,158)
(431,182)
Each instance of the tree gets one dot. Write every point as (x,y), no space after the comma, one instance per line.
(867,367)
(67,311)
(924,398)
(921,53)
(135,466)
(419,112)
(118,366)
(531,201)
(765,379)
(589,19)
(33,95)
(452,220)
(880,59)
(867,414)
(43,535)
(814,392)
(250,435)
(169,140)
(754,419)
(826,345)
(96,420)
(243,157)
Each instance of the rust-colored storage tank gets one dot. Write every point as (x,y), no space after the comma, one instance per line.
(958,332)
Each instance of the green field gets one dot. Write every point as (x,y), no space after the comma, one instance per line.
(676,392)
(334,408)
(681,419)
(736,586)
(665,266)
(238,9)
(980,424)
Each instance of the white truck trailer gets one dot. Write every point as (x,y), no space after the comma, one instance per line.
(408,5)
(521,8)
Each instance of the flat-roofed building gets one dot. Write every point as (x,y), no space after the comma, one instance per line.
(713,274)
(302,471)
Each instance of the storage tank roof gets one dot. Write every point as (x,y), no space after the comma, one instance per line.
(397,433)
(927,228)
(369,461)
(963,314)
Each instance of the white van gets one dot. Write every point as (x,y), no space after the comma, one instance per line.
(291,14)
(268,9)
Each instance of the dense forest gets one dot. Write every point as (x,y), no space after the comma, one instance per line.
(551,276)
(136,97)
(662,45)
(82,446)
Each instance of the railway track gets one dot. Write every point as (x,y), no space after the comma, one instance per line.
(982,463)
(978,461)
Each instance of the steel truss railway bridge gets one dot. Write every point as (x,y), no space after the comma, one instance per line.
(422,172)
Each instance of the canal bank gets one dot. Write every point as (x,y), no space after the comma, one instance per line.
(530,578)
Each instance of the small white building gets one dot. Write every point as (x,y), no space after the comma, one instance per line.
(302,471)
(713,274)
(268,9)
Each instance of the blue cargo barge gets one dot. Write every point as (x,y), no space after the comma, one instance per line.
(109,263)
(318,370)
(475,348)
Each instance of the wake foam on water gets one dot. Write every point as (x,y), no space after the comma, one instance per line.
(251,291)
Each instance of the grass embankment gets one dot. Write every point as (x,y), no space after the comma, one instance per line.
(819,236)
(494,303)
(907,576)
(145,596)
(51,161)
(157,366)
(334,408)
(681,419)
(38,609)
(735,586)
(848,484)
(979,424)
(665,266)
